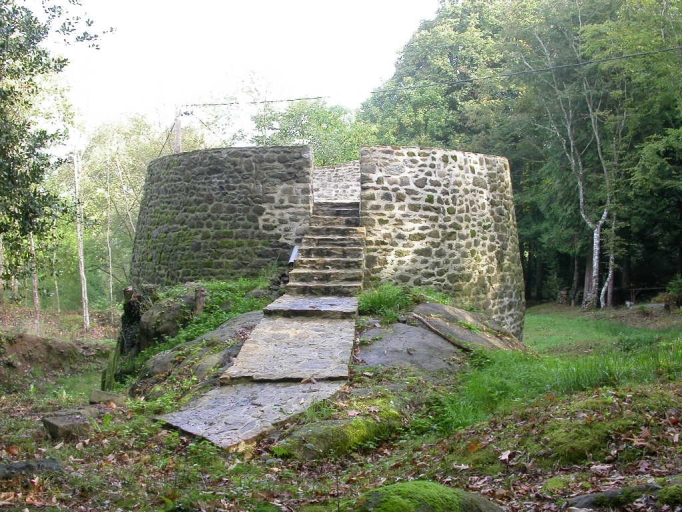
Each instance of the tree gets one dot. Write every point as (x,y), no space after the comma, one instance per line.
(434,97)
(26,204)
(332,131)
(583,97)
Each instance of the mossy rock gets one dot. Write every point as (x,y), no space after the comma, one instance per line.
(422,496)
(571,442)
(332,437)
(671,495)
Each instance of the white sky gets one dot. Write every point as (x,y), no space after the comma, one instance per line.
(161,56)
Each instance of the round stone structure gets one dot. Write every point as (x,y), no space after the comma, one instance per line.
(220,213)
(434,218)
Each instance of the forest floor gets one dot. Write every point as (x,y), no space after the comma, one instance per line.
(522,450)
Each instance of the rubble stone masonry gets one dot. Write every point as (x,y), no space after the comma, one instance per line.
(220,213)
(340,183)
(444,219)
(434,218)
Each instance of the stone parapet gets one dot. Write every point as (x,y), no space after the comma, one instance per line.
(221,213)
(444,219)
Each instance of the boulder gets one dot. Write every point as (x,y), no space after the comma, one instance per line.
(464,329)
(205,358)
(165,319)
(29,467)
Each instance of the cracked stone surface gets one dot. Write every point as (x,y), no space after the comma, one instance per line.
(320,307)
(295,349)
(229,415)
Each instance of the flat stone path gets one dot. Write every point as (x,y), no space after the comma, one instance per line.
(295,349)
(230,415)
(304,339)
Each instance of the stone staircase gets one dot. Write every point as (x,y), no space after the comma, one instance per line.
(331,257)
(300,352)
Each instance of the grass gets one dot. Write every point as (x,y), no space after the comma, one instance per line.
(389,301)
(592,355)
(581,398)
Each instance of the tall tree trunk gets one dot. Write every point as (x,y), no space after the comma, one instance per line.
(588,277)
(2,271)
(79,233)
(126,203)
(55,280)
(14,287)
(576,271)
(608,283)
(34,278)
(109,255)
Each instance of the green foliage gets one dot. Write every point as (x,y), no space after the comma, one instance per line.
(224,300)
(332,131)
(412,497)
(671,495)
(387,301)
(613,124)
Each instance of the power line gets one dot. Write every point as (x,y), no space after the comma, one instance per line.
(526,71)
(166,142)
(209,128)
(253,102)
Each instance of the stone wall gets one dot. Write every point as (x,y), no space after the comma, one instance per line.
(220,213)
(337,184)
(444,219)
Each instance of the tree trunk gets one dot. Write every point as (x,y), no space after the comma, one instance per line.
(109,255)
(590,300)
(55,280)
(606,297)
(2,271)
(576,272)
(539,278)
(608,284)
(79,233)
(588,278)
(34,277)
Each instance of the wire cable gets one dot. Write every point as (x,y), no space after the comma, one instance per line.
(167,138)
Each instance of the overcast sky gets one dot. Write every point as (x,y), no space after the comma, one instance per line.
(161,56)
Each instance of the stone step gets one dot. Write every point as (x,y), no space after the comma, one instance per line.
(305,275)
(336,231)
(330,252)
(322,220)
(333,241)
(325,290)
(337,209)
(318,307)
(330,263)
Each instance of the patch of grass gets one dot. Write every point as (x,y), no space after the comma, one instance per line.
(388,301)
(431,295)
(501,380)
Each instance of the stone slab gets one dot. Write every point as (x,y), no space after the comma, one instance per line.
(406,346)
(295,349)
(319,307)
(230,415)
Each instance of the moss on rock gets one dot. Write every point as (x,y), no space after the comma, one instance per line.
(422,496)
(671,495)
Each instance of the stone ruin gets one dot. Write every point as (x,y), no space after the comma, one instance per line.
(434,218)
